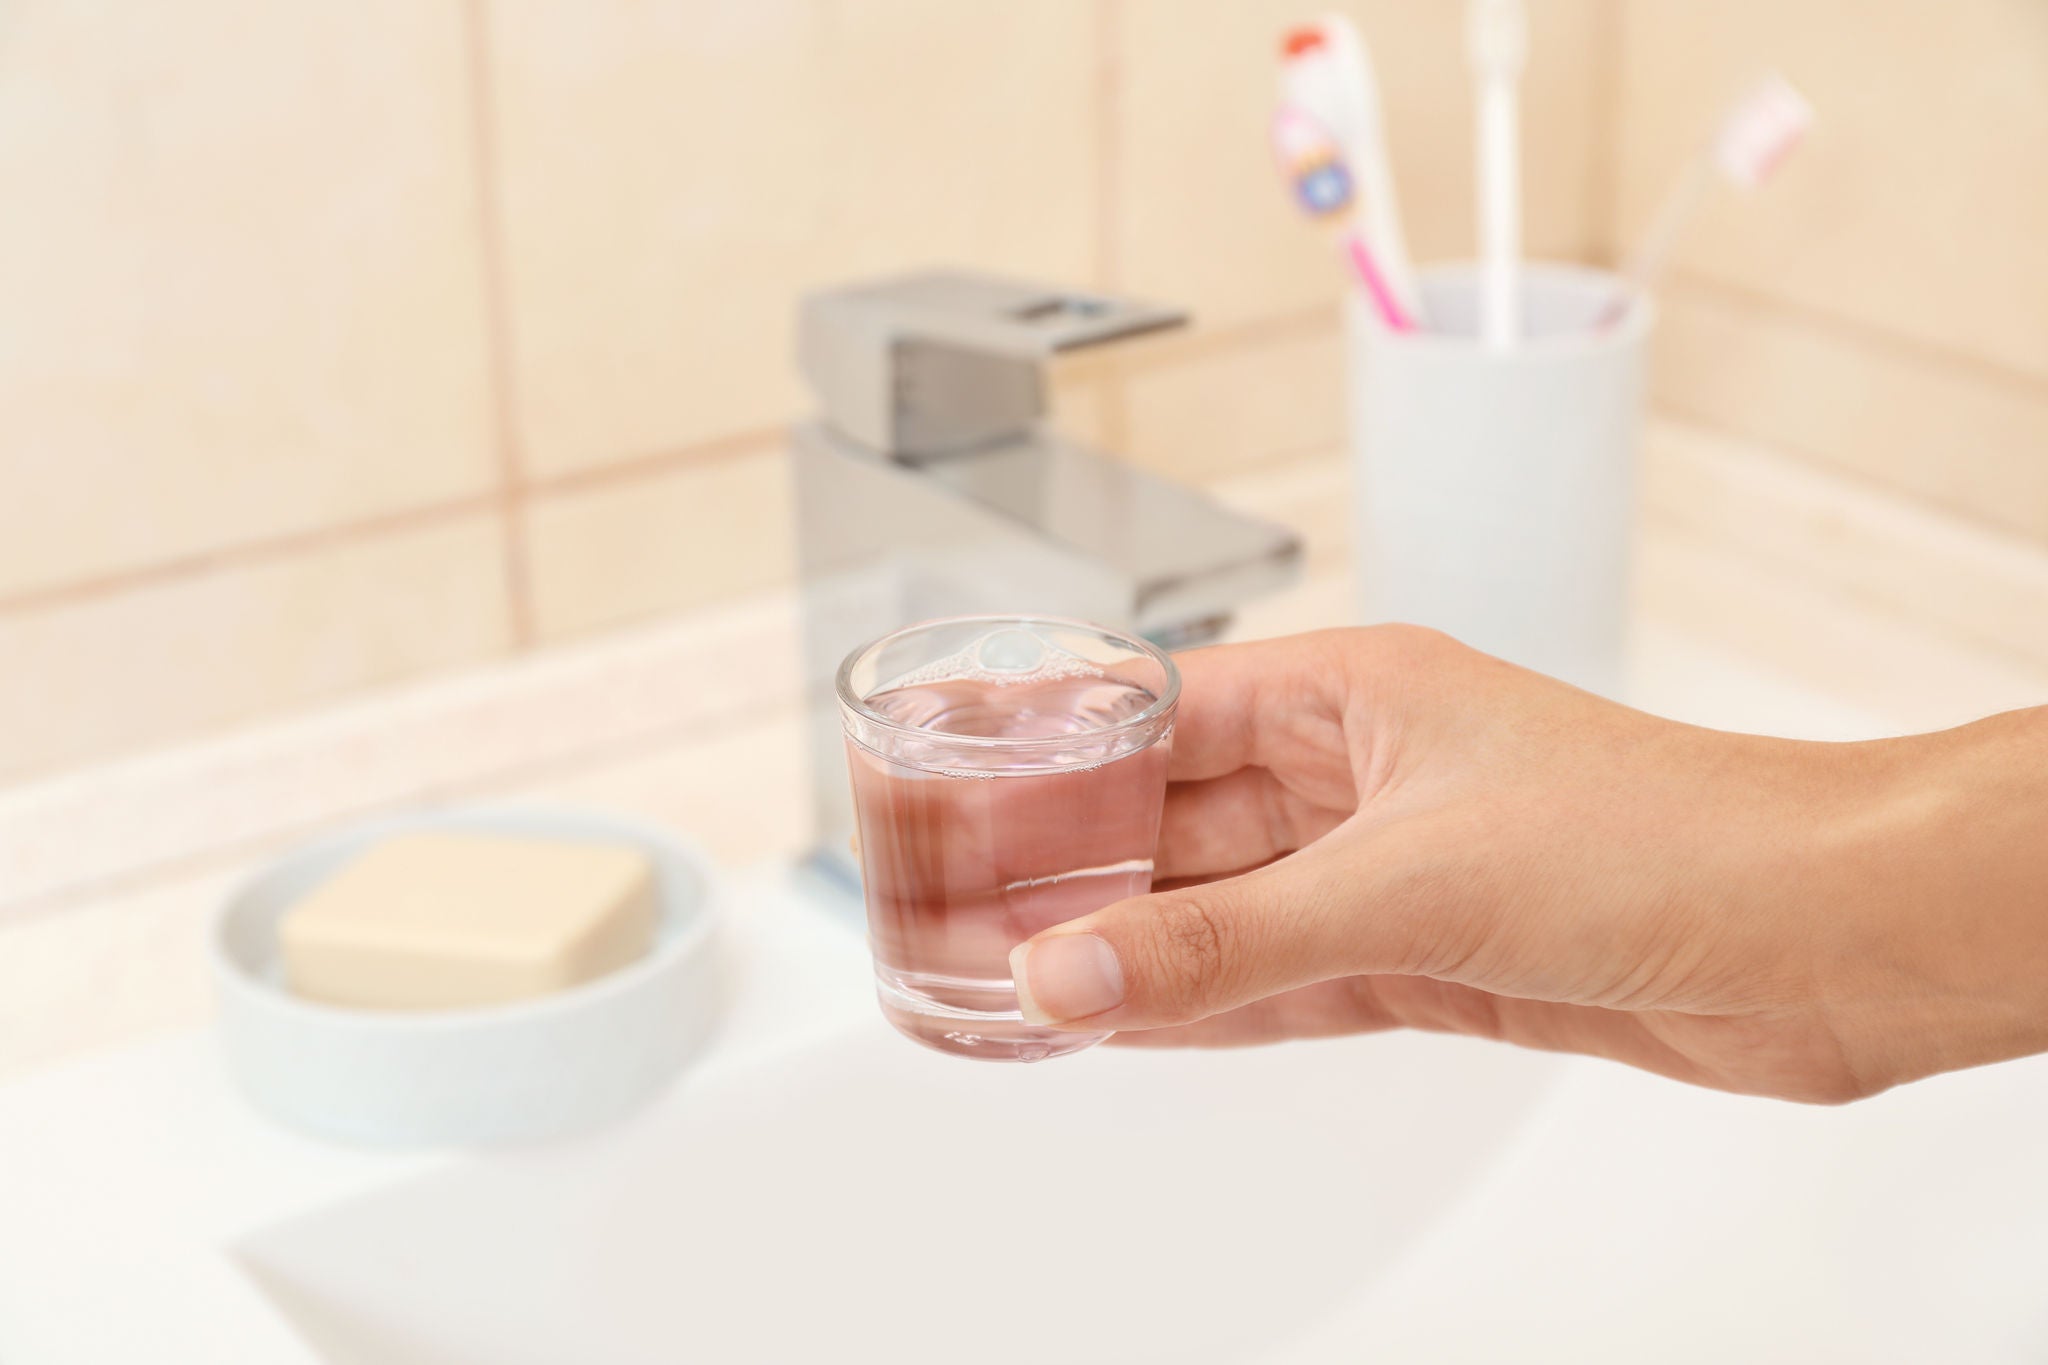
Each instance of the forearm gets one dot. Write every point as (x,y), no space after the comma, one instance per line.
(1934,950)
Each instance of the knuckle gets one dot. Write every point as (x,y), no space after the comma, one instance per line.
(1194,947)
(1417,643)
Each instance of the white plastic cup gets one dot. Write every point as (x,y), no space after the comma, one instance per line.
(1495,495)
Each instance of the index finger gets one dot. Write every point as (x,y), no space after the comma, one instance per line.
(1237,700)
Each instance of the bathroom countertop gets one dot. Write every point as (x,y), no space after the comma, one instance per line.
(132,1176)
(133,1172)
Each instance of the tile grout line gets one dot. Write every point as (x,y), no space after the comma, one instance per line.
(1820,461)
(1168,349)
(1855,482)
(1108,99)
(1667,522)
(260,550)
(1109,388)
(267,549)
(1610,45)
(1837,327)
(498,326)
(719,450)
(408,744)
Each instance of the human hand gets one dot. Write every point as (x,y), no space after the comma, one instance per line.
(1378,828)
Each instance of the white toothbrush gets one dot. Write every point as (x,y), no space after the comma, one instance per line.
(1754,137)
(1327,72)
(1497,41)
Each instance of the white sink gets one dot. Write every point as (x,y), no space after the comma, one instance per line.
(821,1190)
(865,1200)
(1400,1198)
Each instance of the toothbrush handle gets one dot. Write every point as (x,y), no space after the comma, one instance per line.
(1646,262)
(1500,227)
(1377,289)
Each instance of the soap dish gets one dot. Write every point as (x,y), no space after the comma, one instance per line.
(515,1072)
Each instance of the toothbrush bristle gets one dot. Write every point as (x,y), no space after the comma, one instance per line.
(1760,131)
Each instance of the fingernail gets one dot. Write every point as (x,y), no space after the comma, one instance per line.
(1066,977)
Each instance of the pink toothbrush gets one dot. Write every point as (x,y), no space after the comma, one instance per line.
(1322,185)
(1756,133)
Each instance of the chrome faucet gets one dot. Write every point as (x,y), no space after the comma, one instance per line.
(929,485)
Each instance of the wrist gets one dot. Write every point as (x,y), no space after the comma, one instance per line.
(1933,935)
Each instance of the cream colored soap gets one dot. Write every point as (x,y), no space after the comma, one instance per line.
(441,921)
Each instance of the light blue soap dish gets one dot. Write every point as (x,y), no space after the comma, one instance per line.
(526,1071)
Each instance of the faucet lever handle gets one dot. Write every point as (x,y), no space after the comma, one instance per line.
(930,363)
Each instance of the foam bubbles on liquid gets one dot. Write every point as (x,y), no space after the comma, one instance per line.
(1003,659)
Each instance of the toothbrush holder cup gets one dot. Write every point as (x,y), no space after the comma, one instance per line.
(1495,488)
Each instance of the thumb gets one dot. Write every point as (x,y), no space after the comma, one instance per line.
(1182,955)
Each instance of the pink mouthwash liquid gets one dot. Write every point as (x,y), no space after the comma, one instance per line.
(967,852)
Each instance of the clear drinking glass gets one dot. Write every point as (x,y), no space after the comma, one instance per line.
(1008,775)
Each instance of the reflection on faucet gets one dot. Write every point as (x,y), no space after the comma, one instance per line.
(928,486)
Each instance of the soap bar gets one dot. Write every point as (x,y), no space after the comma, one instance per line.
(444,920)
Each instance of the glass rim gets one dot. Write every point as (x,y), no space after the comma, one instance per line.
(1169,694)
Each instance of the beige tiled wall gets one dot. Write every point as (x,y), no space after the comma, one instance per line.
(342,344)
(105,671)
(240,297)
(672,174)
(618,549)
(245,453)
(1883,306)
